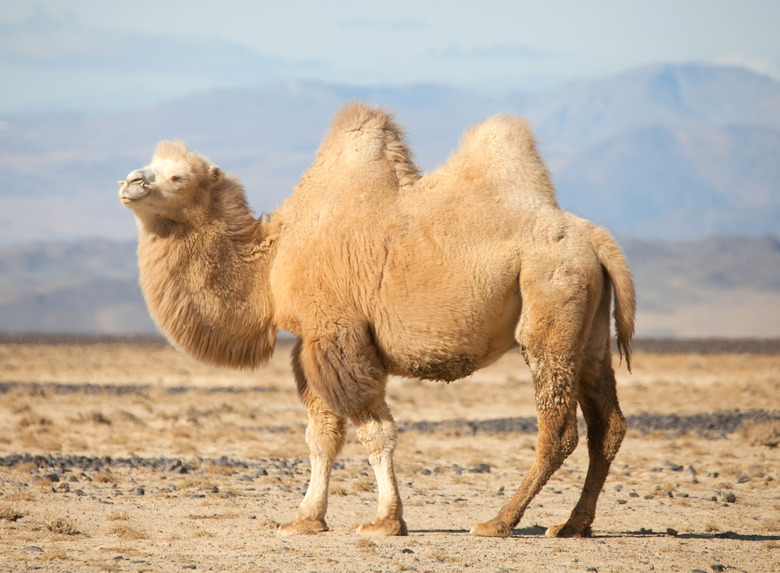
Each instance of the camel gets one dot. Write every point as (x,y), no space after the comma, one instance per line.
(380,270)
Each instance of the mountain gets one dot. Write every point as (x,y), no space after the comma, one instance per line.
(683,97)
(719,287)
(661,152)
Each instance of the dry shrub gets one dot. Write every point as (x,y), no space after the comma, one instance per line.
(191,482)
(55,553)
(268,524)
(363,484)
(26,467)
(124,531)
(118,516)
(95,418)
(44,483)
(33,420)
(366,545)
(105,477)
(62,526)
(126,416)
(338,490)
(213,468)
(213,516)
(41,440)
(763,433)
(21,495)
(10,513)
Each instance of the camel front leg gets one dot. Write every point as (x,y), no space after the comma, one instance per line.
(376,430)
(325,436)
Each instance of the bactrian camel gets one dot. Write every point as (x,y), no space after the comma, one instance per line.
(379,270)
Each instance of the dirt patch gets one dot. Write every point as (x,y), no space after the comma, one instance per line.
(127,456)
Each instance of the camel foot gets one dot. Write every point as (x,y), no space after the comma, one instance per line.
(568,530)
(384,527)
(302,527)
(492,528)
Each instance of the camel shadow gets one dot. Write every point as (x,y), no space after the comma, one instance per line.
(706,536)
(539,531)
(534,531)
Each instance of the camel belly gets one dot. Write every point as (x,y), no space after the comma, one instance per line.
(452,347)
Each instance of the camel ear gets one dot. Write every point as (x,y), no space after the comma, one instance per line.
(216,173)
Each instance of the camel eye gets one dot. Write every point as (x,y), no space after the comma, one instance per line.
(176,179)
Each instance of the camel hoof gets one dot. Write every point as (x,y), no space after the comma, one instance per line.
(384,527)
(493,528)
(568,530)
(302,527)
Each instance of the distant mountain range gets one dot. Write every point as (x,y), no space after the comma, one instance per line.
(664,152)
(719,287)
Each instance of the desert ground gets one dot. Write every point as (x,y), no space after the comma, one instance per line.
(124,455)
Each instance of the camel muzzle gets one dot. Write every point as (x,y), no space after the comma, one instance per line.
(134,187)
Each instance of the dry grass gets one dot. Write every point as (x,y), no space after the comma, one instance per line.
(10,513)
(55,554)
(106,477)
(192,482)
(95,418)
(763,433)
(234,528)
(214,516)
(363,484)
(366,545)
(212,468)
(124,531)
(21,495)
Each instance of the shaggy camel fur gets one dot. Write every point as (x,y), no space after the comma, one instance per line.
(379,270)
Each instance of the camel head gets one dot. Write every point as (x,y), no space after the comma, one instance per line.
(174,186)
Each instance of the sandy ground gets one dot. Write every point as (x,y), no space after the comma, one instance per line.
(131,457)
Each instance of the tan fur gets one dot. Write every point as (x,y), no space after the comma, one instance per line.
(379,270)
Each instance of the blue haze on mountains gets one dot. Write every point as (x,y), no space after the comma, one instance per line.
(663,152)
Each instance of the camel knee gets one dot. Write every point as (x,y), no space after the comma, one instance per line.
(376,430)
(325,433)
(378,436)
(616,431)
(558,440)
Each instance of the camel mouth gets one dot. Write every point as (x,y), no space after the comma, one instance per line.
(133,190)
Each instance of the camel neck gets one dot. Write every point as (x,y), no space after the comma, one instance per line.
(207,290)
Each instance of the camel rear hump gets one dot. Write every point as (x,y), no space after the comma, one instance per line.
(502,150)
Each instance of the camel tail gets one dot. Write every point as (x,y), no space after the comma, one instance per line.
(614,261)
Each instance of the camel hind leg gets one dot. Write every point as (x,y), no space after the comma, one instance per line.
(606,425)
(557,419)
(550,345)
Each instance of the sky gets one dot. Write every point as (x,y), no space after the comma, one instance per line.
(107,55)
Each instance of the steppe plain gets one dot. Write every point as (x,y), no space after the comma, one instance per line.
(124,455)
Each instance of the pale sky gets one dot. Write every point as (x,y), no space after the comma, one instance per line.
(111,55)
